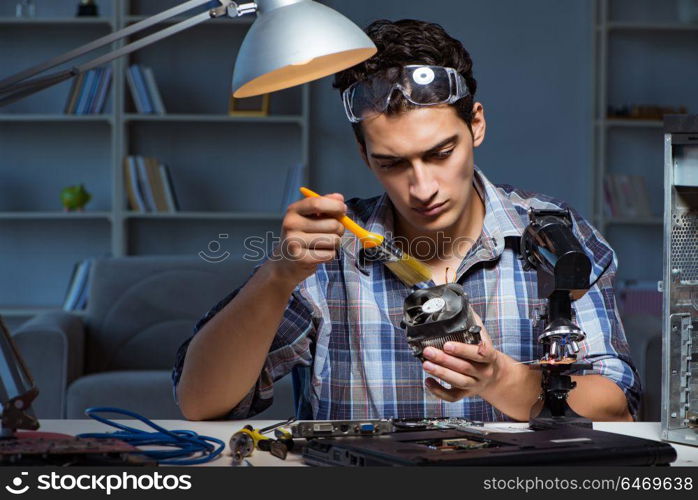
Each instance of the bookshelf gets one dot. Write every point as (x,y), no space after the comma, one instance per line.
(40,117)
(228,171)
(644,55)
(54,20)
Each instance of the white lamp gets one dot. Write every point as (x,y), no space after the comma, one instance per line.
(292,42)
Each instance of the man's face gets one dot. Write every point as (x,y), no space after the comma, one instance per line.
(423,157)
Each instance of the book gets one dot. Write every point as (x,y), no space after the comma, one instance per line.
(153,171)
(81,106)
(616,195)
(153,91)
(81,303)
(67,299)
(172,202)
(641,195)
(139,80)
(148,185)
(134,91)
(133,192)
(92,91)
(73,94)
(610,208)
(146,188)
(626,196)
(103,91)
(628,204)
(78,287)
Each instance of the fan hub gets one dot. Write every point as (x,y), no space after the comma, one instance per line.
(433,305)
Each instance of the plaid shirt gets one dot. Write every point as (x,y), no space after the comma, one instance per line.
(343,322)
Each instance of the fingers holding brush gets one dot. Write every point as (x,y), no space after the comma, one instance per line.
(312,224)
(314,221)
(310,235)
(331,205)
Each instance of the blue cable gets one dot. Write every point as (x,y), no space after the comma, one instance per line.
(188,443)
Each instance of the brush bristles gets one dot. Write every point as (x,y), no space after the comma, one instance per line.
(409,270)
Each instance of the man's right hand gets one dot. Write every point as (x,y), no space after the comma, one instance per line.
(227,355)
(310,235)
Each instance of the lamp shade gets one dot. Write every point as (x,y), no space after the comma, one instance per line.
(293,42)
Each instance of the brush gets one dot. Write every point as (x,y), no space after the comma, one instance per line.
(408,269)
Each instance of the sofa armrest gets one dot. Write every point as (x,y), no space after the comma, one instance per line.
(52,345)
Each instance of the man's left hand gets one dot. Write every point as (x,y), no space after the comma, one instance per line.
(469,369)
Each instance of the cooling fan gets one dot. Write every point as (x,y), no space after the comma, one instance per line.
(436,315)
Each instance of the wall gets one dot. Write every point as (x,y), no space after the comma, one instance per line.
(533,63)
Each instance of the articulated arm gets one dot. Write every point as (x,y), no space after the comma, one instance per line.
(21,85)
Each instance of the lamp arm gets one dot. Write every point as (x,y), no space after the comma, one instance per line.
(25,89)
(18,86)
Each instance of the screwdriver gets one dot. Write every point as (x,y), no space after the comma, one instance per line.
(244,441)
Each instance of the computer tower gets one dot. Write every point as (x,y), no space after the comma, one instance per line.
(680,281)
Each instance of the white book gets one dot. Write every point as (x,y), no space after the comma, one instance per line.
(153,91)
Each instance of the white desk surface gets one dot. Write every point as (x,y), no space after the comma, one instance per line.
(686,455)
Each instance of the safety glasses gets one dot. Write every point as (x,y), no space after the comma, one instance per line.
(420,85)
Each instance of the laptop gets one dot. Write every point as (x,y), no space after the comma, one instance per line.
(564,445)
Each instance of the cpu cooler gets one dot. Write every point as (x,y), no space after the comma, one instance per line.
(436,315)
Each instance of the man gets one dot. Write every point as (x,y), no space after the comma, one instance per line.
(416,123)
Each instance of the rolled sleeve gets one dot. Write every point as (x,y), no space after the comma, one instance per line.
(605,346)
(291,346)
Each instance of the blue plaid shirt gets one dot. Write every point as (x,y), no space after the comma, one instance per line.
(342,324)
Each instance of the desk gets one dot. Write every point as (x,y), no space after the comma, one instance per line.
(686,455)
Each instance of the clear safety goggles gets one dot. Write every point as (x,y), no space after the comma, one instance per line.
(420,85)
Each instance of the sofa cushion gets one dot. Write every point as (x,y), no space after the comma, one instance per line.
(142,308)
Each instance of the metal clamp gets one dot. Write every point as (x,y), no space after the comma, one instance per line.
(233,9)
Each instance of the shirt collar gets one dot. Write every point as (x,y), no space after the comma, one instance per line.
(501,218)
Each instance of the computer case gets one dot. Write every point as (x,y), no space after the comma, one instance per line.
(680,281)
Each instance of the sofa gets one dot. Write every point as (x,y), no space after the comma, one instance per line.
(120,351)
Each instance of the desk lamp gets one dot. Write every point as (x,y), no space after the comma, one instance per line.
(291,42)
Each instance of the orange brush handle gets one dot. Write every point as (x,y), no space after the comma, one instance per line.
(367,238)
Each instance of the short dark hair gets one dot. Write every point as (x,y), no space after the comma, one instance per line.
(409,41)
